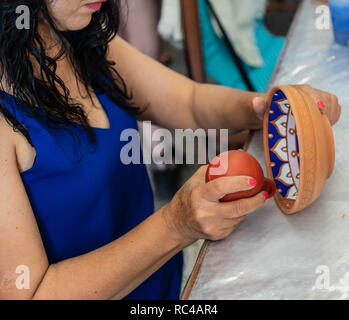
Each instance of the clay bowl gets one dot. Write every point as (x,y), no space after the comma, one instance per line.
(298,146)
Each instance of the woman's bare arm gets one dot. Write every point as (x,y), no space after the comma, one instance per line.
(175,101)
(20,241)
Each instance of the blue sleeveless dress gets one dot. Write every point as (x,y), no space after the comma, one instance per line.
(84,197)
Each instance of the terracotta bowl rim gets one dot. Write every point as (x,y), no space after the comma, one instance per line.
(303,116)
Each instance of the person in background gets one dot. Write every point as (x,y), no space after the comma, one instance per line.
(139,27)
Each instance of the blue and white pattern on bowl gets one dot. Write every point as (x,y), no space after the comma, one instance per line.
(283,147)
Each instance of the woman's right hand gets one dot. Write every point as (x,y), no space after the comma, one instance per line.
(195,212)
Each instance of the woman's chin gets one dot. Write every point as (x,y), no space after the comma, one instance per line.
(75,25)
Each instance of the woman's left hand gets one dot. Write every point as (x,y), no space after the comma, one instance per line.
(328,103)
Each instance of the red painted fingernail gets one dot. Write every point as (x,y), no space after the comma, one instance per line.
(321,104)
(266,195)
(252,182)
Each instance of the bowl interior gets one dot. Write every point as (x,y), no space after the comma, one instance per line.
(283,147)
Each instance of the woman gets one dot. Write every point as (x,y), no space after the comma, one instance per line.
(80,221)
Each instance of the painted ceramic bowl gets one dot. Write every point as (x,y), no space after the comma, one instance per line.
(299,147)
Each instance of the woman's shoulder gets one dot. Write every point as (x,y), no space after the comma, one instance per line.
(11,107)
(8,136)
(6,130)
(13,142)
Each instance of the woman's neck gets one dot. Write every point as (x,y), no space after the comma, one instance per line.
(52,43)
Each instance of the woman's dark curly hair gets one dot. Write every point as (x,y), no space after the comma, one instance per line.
(87,50)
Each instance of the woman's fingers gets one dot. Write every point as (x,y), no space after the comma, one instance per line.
(337,114)
(327,103)
(242,207)
(332,109)
(228,227)
(195,212)
(259,106)
(218,188)
(234,223)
